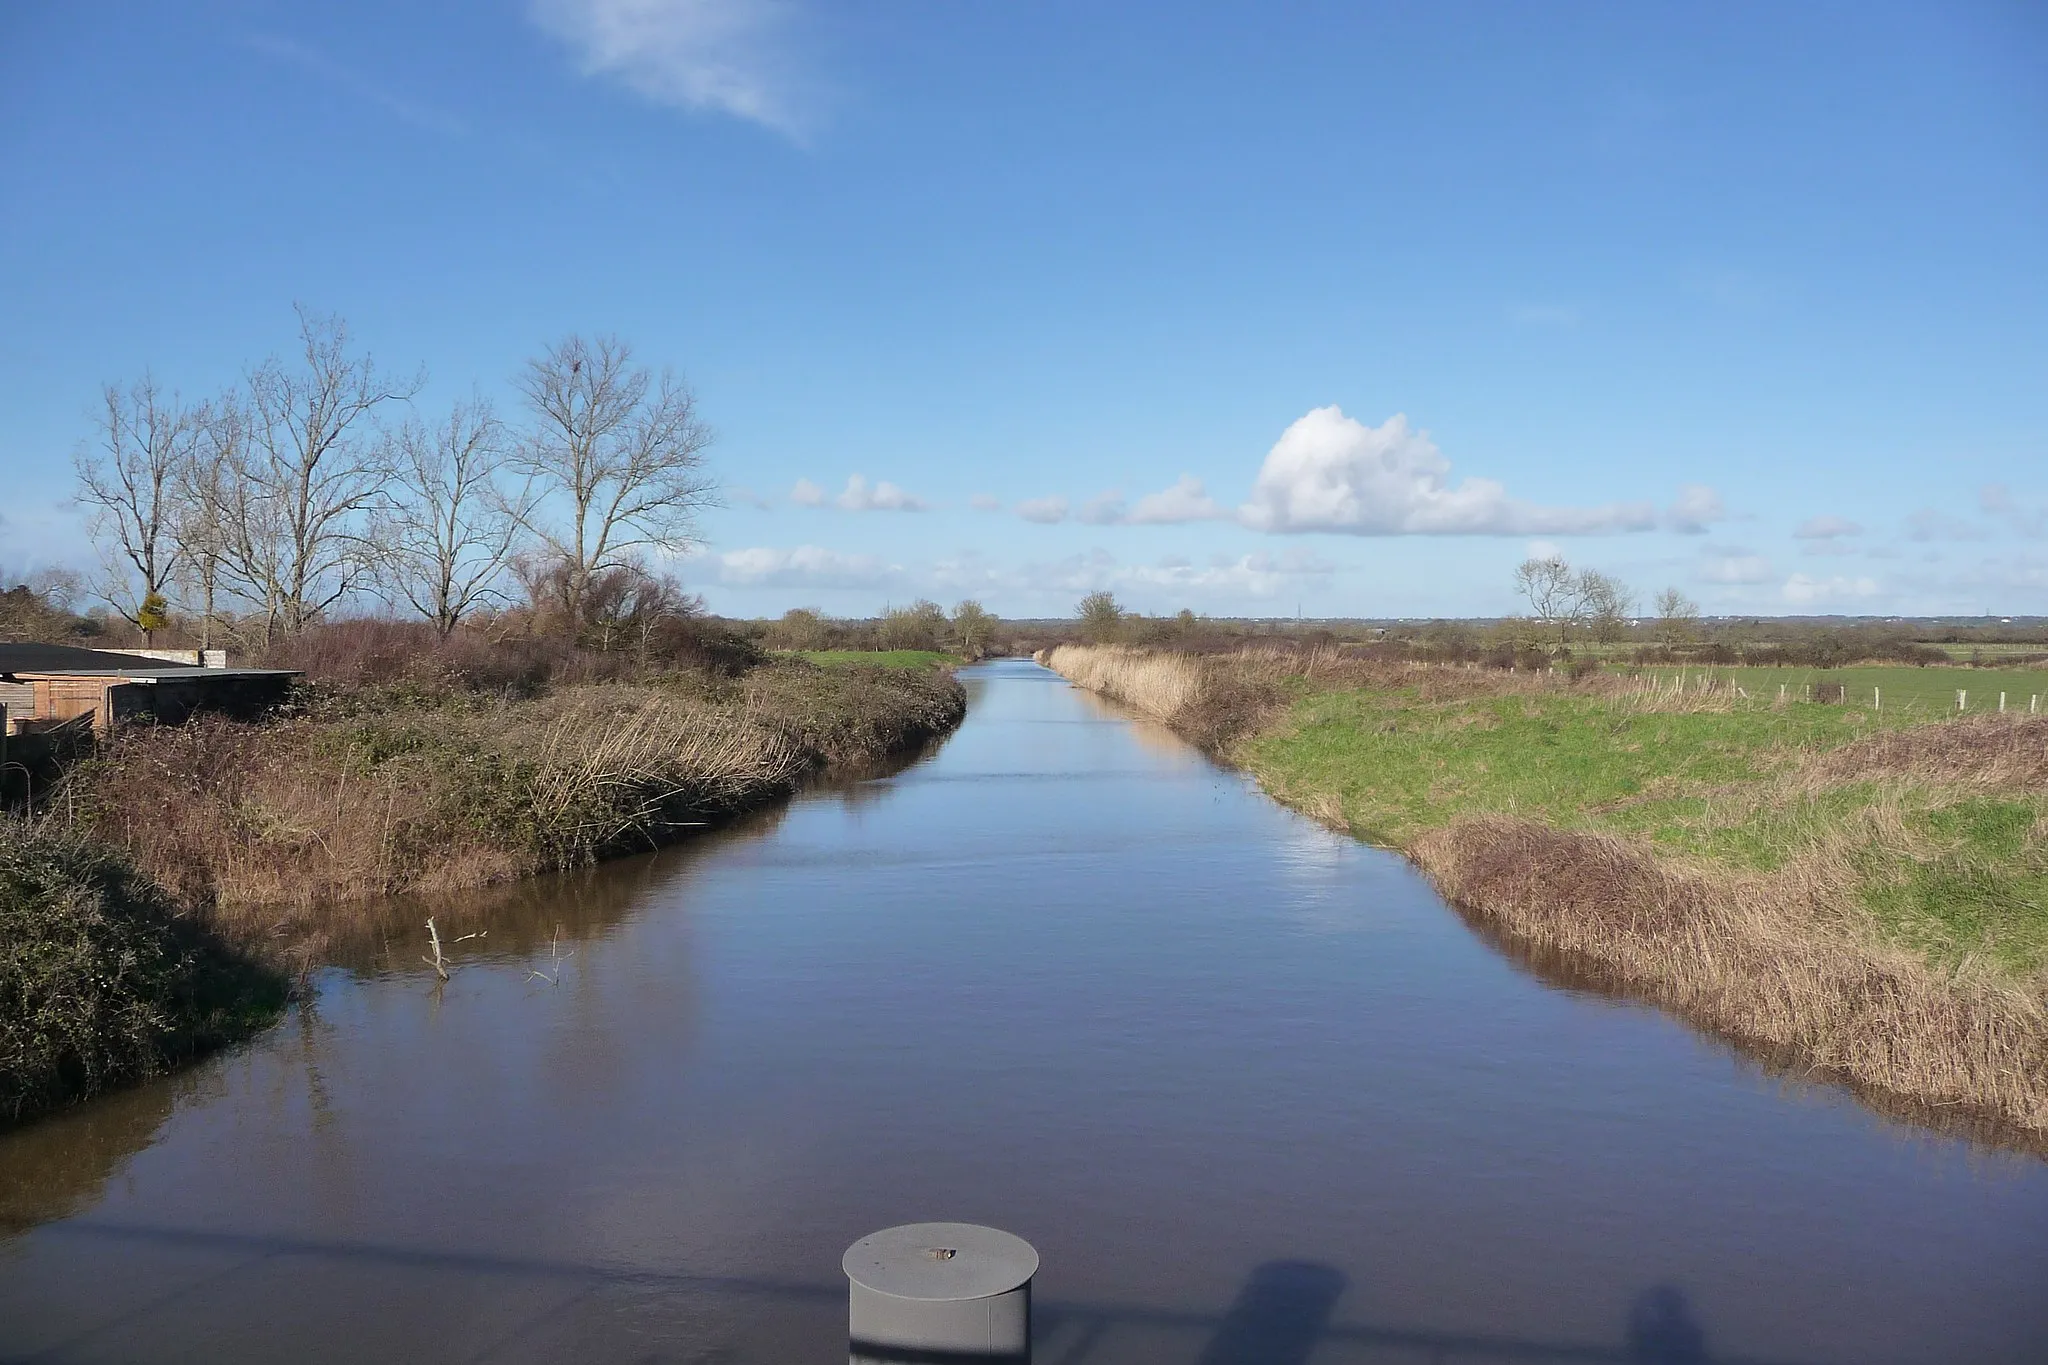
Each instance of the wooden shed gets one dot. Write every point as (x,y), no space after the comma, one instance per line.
(46,685)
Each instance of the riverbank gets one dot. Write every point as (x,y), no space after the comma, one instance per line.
(276,831)
(103,982)
(1845,892)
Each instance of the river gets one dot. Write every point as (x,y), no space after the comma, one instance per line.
(1255,1093)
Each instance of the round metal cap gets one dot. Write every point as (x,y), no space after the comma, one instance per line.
(940,1262)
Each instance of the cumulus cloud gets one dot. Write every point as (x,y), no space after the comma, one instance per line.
(1826,528)
(883,497)
(1185,501)
(1698,507)
(1803,590)
(1330,472)
(1727,564)
(727,56)
(806,566)
(1044,511)
(858,496)
(1104,509)
(985,502)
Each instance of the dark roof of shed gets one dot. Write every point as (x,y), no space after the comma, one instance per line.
(33,658)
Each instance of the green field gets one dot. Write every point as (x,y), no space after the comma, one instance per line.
(1956,874)
(887,658)
(1917,693)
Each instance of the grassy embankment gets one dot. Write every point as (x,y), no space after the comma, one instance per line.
(884,658)
(202,862)
(1848,892)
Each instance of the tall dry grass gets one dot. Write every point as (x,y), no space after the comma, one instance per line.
(283,832)
(1786,961)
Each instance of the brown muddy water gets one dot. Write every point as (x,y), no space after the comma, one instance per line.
(1255,1093)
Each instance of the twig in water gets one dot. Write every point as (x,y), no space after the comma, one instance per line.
(554,956)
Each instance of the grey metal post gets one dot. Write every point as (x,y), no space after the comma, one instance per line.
(939,1294)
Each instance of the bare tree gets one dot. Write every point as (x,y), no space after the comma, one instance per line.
(1605,605)
(129,483)
(1551,589)
(1678,617)
(207,485)
(1563,599)
(617,452)
(311,469)
(450,529)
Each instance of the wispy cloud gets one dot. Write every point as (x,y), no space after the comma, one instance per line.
(1803,590)
(1697,508)
(1044,511)
(352,82)
(1330,472)
(727,56)
(2029,520)
(1928,524)
(1826,528)
(806,566)
(1729,564)
(1104,509)
(985,502)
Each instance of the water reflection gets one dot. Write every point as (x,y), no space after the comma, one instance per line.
(1051,979)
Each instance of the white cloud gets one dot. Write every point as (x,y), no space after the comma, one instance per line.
(1727,564)
(1044,511)
(807,494)
(985,502)
(1329,472)
(1104,509)
(1826,528)
(722,55)
(1802,590)
(1186,500)
(883,497)
(1697,507)
(746,496)
(806,566)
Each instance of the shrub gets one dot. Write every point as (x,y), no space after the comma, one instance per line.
(102,982)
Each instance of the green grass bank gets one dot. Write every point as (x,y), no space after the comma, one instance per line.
(1855,892)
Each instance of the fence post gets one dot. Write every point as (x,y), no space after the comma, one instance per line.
(1962,699)
(2001,703)
(939,1291)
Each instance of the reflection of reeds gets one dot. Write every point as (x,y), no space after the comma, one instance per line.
(1783,955)
(1778,961)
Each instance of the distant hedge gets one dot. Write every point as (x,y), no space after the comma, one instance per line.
(102,981)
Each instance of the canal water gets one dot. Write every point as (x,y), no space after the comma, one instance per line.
(1254,1092)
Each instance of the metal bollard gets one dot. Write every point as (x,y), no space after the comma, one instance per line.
(939,1294)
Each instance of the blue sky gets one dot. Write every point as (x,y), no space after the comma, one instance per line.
(1255,309)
